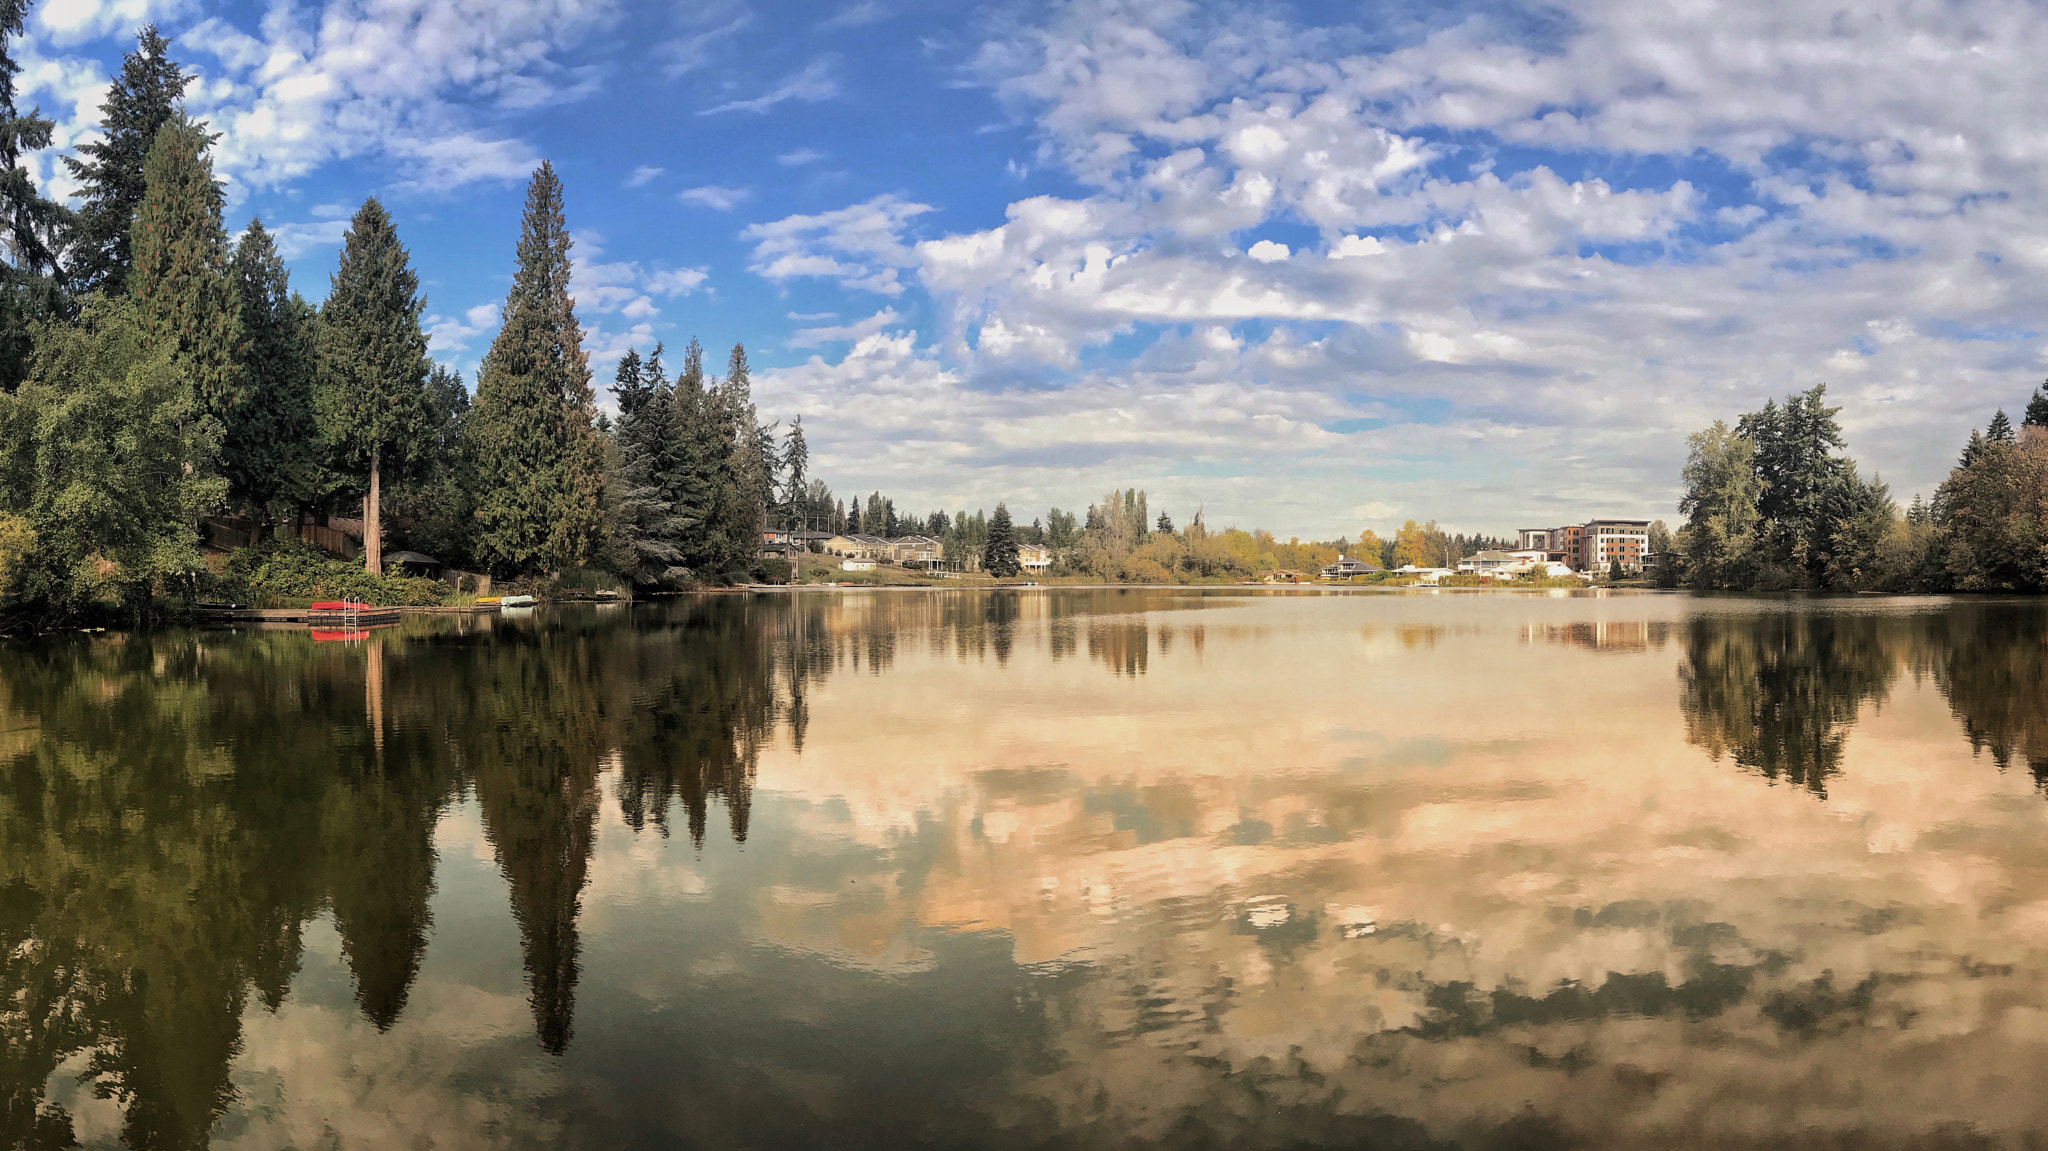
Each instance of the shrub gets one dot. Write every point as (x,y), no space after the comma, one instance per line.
(290,569)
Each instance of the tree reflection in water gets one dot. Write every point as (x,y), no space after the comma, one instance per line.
(175,809)
(1778,692)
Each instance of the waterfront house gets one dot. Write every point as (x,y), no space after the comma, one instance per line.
(1347,567)
(1034,558)
(1489,562)
(1281,575)
(1423,575)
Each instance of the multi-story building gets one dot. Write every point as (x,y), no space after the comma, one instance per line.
(1592,546)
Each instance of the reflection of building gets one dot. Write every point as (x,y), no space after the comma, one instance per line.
(1600,635)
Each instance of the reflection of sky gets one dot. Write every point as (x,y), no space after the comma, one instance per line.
(1050,895)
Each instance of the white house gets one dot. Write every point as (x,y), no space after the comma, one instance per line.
(1421,574)
(1346,567)
(1033,557)
(853,565)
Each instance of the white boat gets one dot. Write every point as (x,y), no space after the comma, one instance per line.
(516,601)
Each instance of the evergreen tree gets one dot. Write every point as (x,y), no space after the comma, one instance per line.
(268,435)
(30,224)
(373,404)
(2000,430)
(539,459)
(645,537)
(796,459)
(143,98)
(180,279)
(1165,523)
(2037,409)
(692,455)
(739,500)
(999,554)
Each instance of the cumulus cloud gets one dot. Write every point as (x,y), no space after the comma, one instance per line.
(860,246)
(346,79)
(644,175)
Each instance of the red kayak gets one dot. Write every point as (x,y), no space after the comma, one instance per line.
(336,605)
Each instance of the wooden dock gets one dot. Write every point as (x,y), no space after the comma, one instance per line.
(326,618)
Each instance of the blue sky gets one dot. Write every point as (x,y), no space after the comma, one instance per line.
(1310,267)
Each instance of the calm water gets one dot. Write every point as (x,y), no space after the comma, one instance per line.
(1068,869)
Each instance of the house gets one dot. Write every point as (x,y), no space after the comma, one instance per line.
(1489,561)
(1608,542)
(1033,558)
(1281,575)
(857,546)
(803,541)
(1347,567)
(916,551)
(1423,575)
(854,565)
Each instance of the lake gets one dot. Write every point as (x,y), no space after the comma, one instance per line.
(1044,868)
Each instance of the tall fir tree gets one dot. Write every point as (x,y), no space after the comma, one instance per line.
(999,555)
(739,494)
(538,456)
(796,462)
(2037,409)
(30,223)
(2000,429)
(267,447)
(180,280)
(373,403)
(693,458)
(143,98)
(645,536)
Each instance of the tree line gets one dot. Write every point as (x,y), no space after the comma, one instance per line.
(1773,503)
(154,371)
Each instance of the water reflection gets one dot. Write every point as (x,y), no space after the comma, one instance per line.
(1779,692)
(1084,869)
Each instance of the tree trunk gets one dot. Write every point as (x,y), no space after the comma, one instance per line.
(373,522)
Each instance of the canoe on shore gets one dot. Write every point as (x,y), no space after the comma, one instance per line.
(515,601)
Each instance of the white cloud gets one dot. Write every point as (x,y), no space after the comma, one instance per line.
(799,157)
(713,196)
(715,24)
(644,175)
(1268,252)
(396,77)
(811,85)
(858,247)
(883,320)
(446,334)
(853,16)
(68,22)
(295,240)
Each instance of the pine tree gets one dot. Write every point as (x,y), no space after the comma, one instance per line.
(2000,429)
(643,535)
(539,458)
(373,404)
(30,223)
(796,459)
(739,502)
(692,456)
(2037,409)
(142,99)
(1165,523)
(999,555)
(180,280)
(266,453)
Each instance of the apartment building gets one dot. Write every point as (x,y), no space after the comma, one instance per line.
(1593,545)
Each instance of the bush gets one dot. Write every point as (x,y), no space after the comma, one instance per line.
(290,569)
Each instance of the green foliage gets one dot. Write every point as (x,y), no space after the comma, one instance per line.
(142,99)
(538,457)
(373,405)
(106,455)
(1992,516)
(2037,409)
(287,569)
(999,554)
(268,451)
(17,545)
(646,536)
(31,224)
(1720,536)
(183,298)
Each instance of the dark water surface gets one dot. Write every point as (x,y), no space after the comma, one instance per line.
(1040,869)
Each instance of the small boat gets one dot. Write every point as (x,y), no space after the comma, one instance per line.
(492,600)
(335,605)
(515,601)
